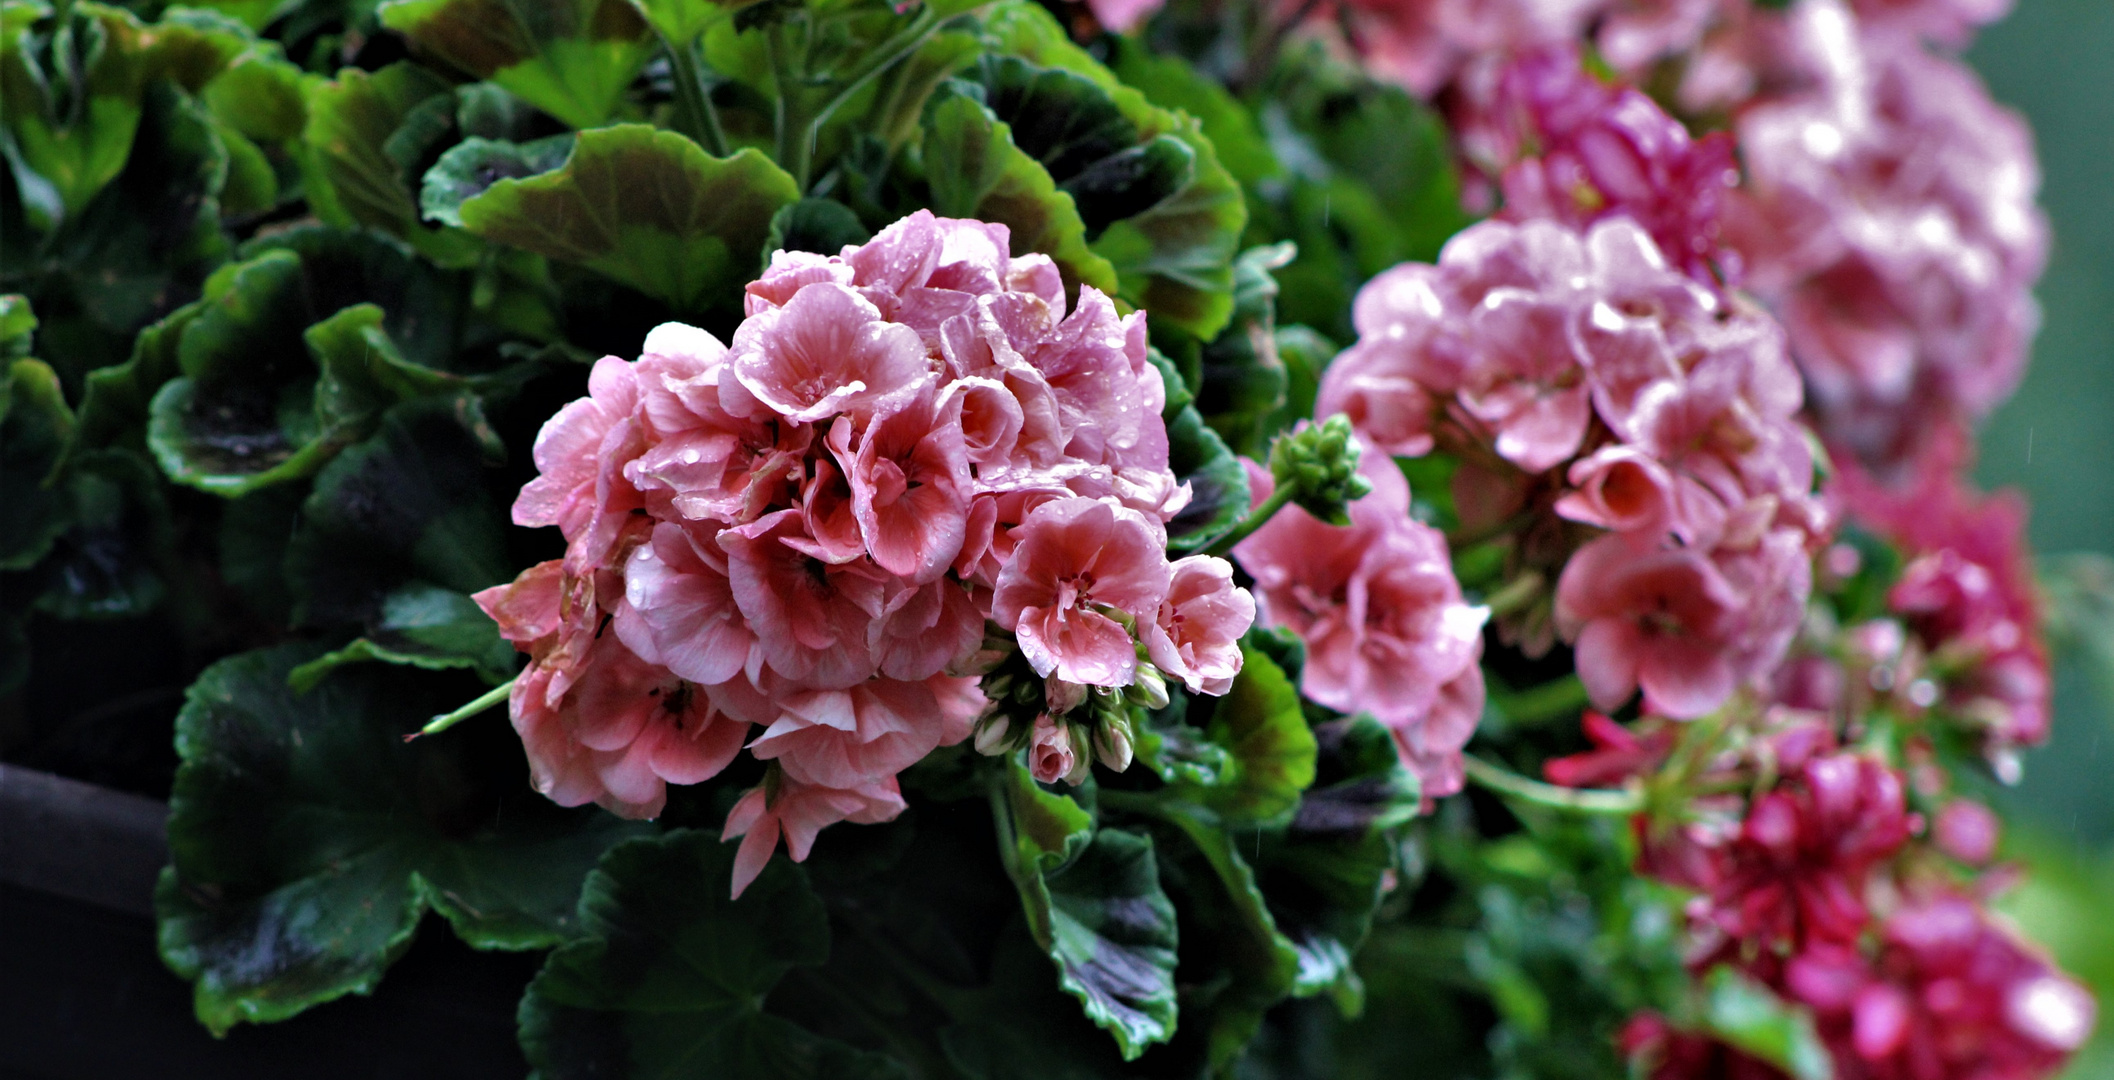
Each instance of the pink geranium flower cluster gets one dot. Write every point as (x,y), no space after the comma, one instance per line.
(1889,218)
(1584,380)
(1567,147)
(800,536)
(1386,628)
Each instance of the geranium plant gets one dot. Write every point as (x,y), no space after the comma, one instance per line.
(1010,539)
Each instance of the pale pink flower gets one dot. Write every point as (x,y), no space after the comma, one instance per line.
(910,487)
(1074,557)
(679,608)
(569,451)
(843,738)
(925,629)
(1122,16)
(1432,749)
(1196,637)
(799,812)
(1050,754)
(827,351)
(810,618)
(1375,601)
(1664,619)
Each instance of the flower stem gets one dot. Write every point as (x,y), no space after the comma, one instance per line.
(484,701)
(1577,800)
(1255,519)
(694,110)
(888,55)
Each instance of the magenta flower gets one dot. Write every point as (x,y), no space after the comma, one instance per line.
(1196,637)
(1079,561)
(799,812)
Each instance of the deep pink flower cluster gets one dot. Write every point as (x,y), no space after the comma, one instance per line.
(1386,628)
(1579,369)
(1568,147)
(1889,218)
(1967,600)
(806,530)
(1949,996)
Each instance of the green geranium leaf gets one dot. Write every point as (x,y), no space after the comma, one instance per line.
(1218,485)
(423,626)
(1323,875)
(1244,379)
(976,171)
(35,425)
(115,558)
(307,837)
(475,164)
(18,327)
(351,178)
(1175,258)
(1169,82)
(1746,1014)
(822,226)
(411,506)
(670,976)
(571,58)
(1094,904)
(64,151)
(1270,751)
(114,407)
(647,208)
(142,247)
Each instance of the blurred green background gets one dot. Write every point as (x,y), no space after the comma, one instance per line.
(2054,60)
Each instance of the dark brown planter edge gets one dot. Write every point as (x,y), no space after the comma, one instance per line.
(80,841)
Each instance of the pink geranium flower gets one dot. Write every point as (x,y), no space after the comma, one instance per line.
(1076,561)
(799,812)
(679,608)
(810,617)
(827,351)
(1050,754)
(1663,619)
(843,738)
(1196,637)
(910,487)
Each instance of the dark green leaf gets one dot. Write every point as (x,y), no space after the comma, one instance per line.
(1270,750)
(571,58)
(976,171)
(1169,82)
(18,327)
(411,504)
(115,559)
(1218,484)
(647,208)
(35,426)
(1243,388)
(423,626)
(475,164)
(822,226)
(307,836)
(670,977)
(1093,902)
(351,179)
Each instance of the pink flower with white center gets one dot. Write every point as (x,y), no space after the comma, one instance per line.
(799,812)
(1050,754)
(679,608)
(1376,602)
(1196,637)
(843,738)
(1075,557)
(827,351)
(910,487)
(810,618)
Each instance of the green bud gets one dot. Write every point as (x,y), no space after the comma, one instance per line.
(991,734)
(1149,689)
(1318,463)
(1112,742)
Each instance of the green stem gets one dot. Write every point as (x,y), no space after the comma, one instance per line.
(1578,800)
(1255,519)
(892,52)
(1517,595)
(1551,700)
(694,110)
(447,720)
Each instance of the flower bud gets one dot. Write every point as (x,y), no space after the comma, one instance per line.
(1050,754)
(1319,464)
(1082,754)
(1112,743)
(991,734)
(1149,689)
(1062,697)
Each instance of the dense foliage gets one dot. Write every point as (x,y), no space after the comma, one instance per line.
(1085,480)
